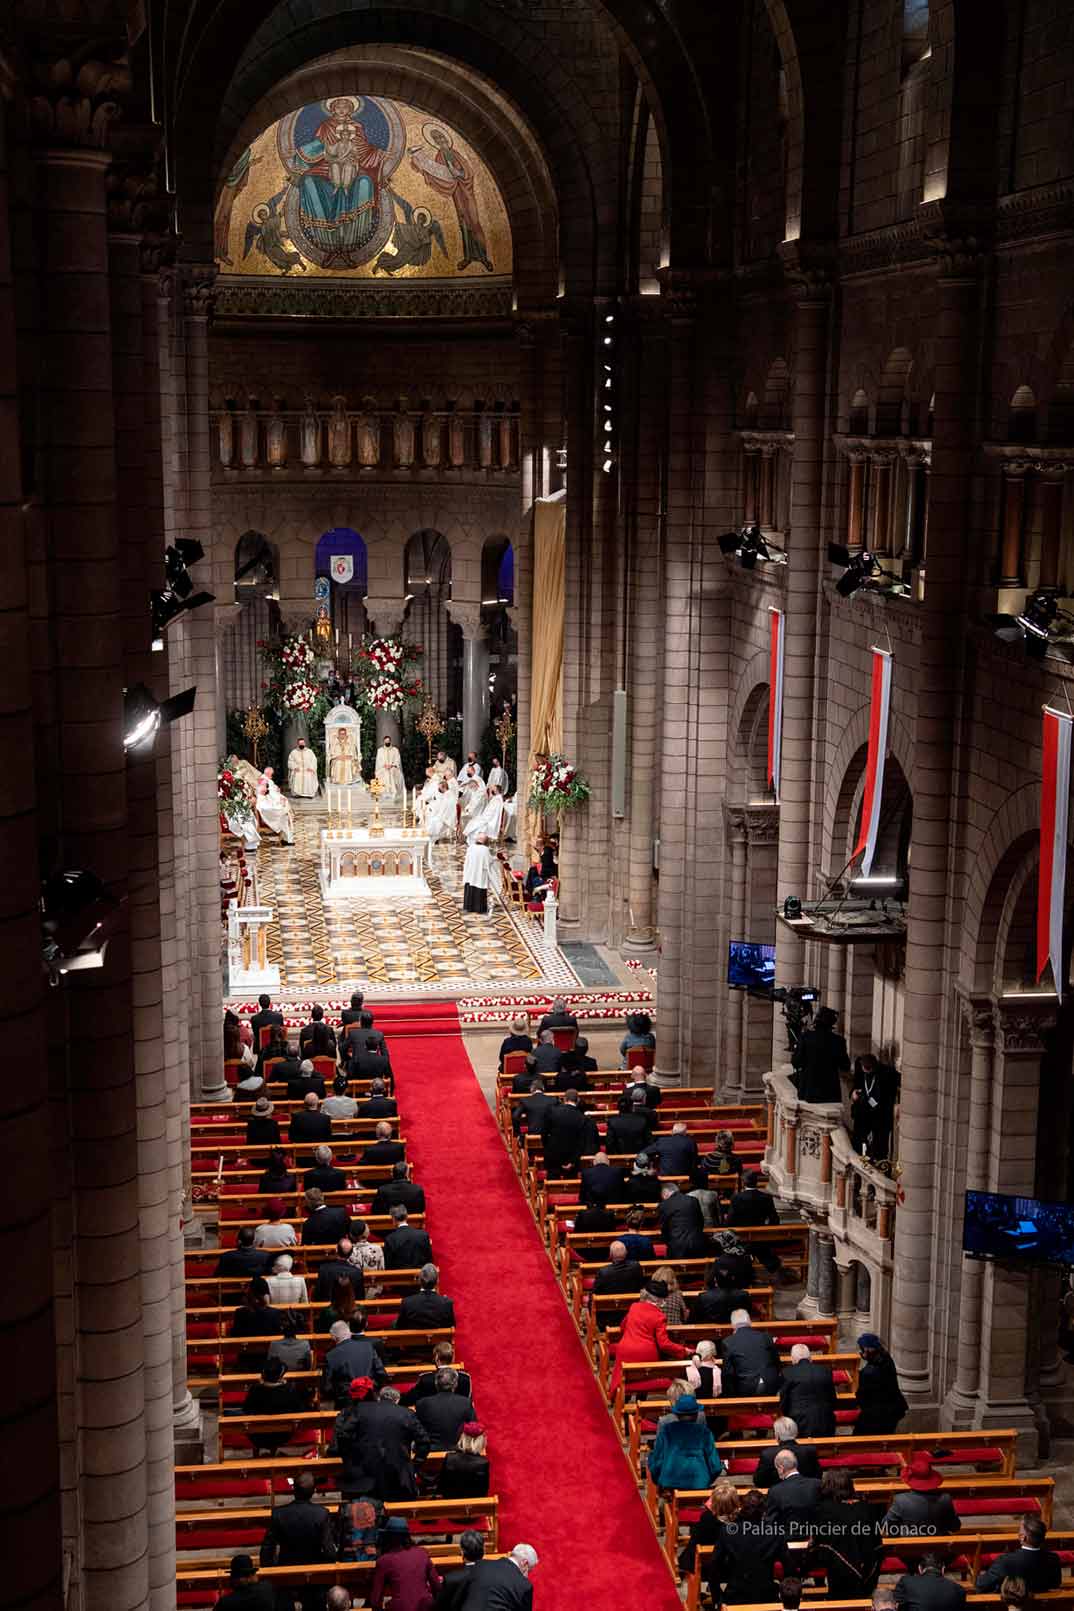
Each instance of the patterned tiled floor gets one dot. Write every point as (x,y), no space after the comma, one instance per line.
(408,945)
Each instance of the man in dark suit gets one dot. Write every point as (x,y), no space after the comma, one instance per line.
(675,1152)
(289,1072)
(621,1275)
(317,1039)
(632,1131)
(793,1499)
(682,1224)
(567,1134)
(444,1413)
(786,1432)
(547,1057)
(595,1218)
(600,1183)
(323,1224)
(558,1018)
(503,1585)
(578,1061)
(1039,1568)
(263,1018)
(330,1270)
(808,1395)
(753,1205)
(523,1082)
(425,1385)
(367,1061)
(246,1593)
(405,1248)
(245,1259)
(384,1150)
(324,1174)
(426,1309)
(819,1059)
(353,1013)
(378,1104)
(400,1189)
(300,1085)
(310,1124)
(365,1022)
(350,1355)
(532,1109)
(455,1585)
(874,1095)
(750,1360)
(928,1590)
(300,1534)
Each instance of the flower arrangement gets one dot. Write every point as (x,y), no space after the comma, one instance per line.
(236,801)
(290,689)
(557,786)
(386,677)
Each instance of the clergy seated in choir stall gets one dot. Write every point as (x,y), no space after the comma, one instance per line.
(302,772)
(497,778)
(429,790)
(489,821)
(473,765)
(478,871)
(442,811)
(274,808)
(473,797)
(389,771)
(444,766)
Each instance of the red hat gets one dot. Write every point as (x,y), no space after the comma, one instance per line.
(917,1473)
(361,1387)
(277,1208)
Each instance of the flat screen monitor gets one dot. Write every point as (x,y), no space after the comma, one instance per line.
(751,966)
(1021,1230)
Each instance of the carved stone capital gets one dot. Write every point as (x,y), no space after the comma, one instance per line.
(762,824)
(196,285)
(75,99)
(1023,1030)
(386,613)
(978,1016)
(468,617)
(808,268)
(735,822)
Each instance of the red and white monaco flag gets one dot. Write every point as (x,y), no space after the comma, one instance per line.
(775,697)
(879,714)
(1054,809)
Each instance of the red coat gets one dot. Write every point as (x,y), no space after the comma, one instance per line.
(644,1336)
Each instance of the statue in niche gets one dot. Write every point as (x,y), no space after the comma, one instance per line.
(310,435)
(226,436)
(248,435)
(339,435)
(403,433)
(368,430)
(430,440)
(276,437)
(456,442)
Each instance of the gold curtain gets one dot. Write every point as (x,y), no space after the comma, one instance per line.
(549,604)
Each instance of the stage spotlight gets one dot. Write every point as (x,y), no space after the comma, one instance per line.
(143,716)
(864,571)
(749,546)
(1040,626)
(78,918)
(729,542)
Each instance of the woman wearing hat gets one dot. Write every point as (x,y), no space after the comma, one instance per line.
(465,1473)
(924,1508)
(261,1128)
(639,1032)
(880,1401)
(404,1573)
(684,1454)
(277,1181)
(645,1332)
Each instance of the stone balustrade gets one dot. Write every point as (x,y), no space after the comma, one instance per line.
(367,441)
(849,1203)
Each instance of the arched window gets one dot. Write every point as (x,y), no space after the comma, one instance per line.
(497,572)
(257,567)
(344,543)
(1022,416)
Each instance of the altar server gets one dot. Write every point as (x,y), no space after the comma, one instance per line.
(477,874)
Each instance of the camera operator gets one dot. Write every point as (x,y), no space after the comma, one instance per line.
(819,1059)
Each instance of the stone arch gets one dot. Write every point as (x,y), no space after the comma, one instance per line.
(859,417)
(811,41)
(752,690)
(497,571)
(1022,415)
(1011,841)
(775,407)
(257,565)
(846,774)
(893,392)
(648,223)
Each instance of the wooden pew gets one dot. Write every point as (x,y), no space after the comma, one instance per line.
(784,1333)
(223,1350)
(228,1229)
(200,1585)
(790,1240)
(636,1373)
(608,1304)
(227,1530)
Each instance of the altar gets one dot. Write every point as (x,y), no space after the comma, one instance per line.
(359,865)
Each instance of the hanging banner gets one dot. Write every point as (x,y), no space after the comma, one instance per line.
(1054,809)
(775,697)
(879,714)
(342,568)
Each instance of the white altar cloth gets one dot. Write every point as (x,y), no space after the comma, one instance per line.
(357,865)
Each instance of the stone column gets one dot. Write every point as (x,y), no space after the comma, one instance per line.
(1050,503)
(1012,555)
(825,1275)
(961,1403)
(734,1051)
(75,406)
(30,1439)
(140,564)
(808,421)
(919,1228)
(475,674)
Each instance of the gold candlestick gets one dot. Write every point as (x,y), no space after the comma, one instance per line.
(255,727)
(376,827)
(505,732)
(429,724)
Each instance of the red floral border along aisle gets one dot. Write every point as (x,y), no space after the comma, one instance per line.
(595,1006)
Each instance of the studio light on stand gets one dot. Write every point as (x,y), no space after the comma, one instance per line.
(864,572)
(1040,626)
(748,546)
(177,596)
(144,716)
(78,918)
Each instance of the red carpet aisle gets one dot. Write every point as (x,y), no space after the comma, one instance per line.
(562,1479)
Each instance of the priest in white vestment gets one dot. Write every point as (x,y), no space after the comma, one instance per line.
(440,814)
(342,755)
(302,771)
(510,817)
(489,821)
(477,874)
(429,789)
(389,770)
(472,762)
(472,796)
(497,778)
(445,766)
(274,808)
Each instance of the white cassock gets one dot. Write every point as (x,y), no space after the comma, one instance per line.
(497,778)
(477,878)
(475,767)
(390,770)
(302,773)
(246,830)
(473,795)
(440,814)
(425,800)
(275,812)
(445,768)
(489,820)
(510,817)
